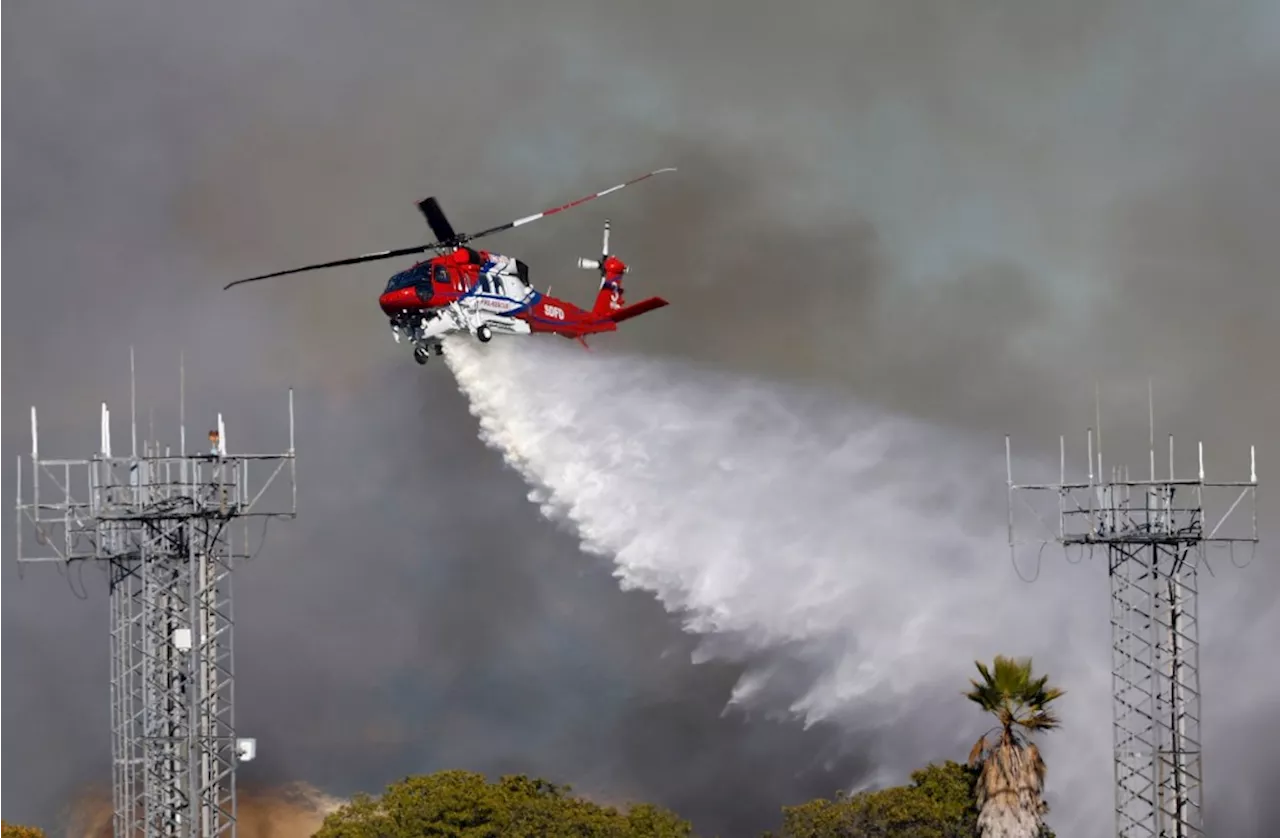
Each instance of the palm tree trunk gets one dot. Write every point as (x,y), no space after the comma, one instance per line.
(1009,801)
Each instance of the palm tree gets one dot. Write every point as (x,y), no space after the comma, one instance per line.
(1012,777)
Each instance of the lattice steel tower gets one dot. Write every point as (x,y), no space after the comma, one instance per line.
(1155,533)
(166,526)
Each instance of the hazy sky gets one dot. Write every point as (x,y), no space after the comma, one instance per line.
(964,212)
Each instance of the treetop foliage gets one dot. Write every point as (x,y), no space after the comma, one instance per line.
(938,803)
(463,804)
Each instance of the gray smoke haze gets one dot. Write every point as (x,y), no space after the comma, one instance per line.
(964,213)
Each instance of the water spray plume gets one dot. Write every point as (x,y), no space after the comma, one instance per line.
(851,544)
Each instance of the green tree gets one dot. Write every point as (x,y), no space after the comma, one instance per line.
(462,804)
(16,830)
(937,804)
(1011,770)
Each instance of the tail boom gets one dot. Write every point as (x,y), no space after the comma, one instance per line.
(642,307)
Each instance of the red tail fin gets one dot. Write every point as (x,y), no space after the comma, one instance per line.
(610,302)
(609,299)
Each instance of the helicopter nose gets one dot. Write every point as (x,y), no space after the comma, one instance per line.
(415,296)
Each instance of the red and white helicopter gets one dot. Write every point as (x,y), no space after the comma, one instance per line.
(487,293)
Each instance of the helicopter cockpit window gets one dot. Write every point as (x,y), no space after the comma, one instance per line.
(441,275)
(404,279)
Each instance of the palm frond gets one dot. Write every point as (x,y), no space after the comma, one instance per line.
(1018,698)
(1012,674)
(1052,694)
(975,753)
(984,697)
(1041,720)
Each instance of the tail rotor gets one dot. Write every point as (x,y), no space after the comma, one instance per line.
(598,264)
(608,266)
(611,269)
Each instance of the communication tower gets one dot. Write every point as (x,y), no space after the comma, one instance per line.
(167,526)
(1155,533)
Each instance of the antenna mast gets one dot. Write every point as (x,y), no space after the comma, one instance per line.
(1154,552)
(166,528)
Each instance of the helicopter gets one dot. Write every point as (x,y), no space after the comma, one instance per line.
(462,289)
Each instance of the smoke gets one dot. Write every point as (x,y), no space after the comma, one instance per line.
(294,811)
(963,215)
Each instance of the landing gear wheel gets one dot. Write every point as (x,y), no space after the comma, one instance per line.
(420,354)
(484,334)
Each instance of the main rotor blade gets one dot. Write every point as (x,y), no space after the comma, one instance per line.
(519,222)
(368,257)
(429,208)
(436,220)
